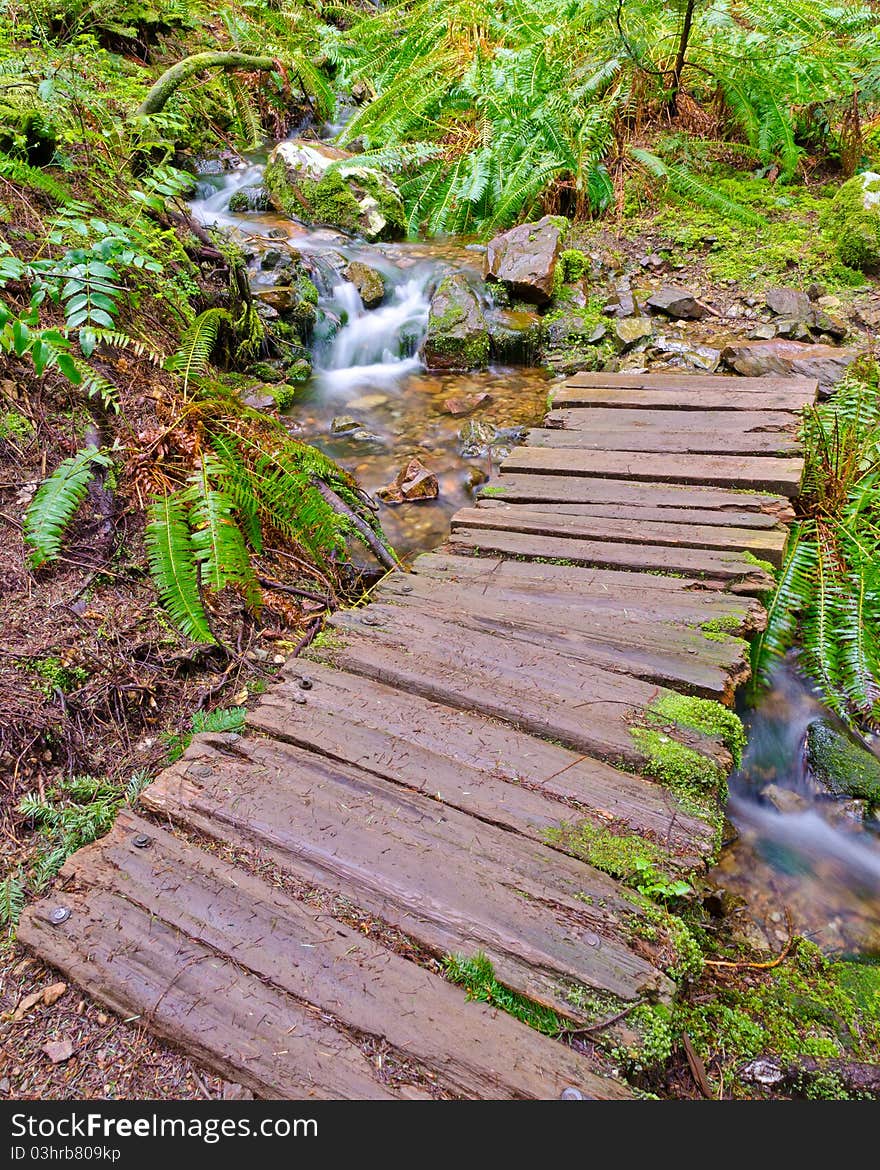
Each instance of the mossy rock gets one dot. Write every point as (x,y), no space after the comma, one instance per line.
(458,335)
(853,222)
(353,198)
(844,767)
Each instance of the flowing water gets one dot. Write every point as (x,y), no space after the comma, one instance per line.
(816,861)
(366,368)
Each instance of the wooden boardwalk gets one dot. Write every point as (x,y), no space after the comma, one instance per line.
(282,907)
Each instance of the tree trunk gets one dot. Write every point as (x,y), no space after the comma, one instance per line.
(177,74)
(678,67)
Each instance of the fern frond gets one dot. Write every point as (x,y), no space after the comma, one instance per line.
(173,565)
(216,538)
(12,891)
(197,344)
(55,503)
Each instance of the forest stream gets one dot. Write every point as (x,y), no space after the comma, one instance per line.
(794,859)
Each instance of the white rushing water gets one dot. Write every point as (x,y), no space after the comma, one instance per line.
(355,348)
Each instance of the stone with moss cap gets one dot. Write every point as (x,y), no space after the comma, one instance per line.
(321,184)
(853,222)
(844,767)
(458,336)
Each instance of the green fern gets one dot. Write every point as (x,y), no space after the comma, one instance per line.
(12,894)
(216,538)
(55,503)
(174,566)
(197,344)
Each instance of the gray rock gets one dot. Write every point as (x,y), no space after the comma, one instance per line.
(797,330)
(629,331)
(840,764)
(788,302)
(676,302)
(524,258)
(821,322)
(476,437)
(756,359)
(572,328)
(766,331)
(369,283)
(458,335)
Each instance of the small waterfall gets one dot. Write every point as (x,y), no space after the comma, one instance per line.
(213,193)
(373,346)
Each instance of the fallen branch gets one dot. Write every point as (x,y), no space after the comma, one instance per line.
(375,544)
(174,77)
(768,966)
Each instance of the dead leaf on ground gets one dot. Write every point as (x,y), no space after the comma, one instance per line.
(53,993)
(58,1050)
(26,1004)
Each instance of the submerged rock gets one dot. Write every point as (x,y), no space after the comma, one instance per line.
(466,404)
(458,336)
(248,199)
(344,423)
(676,302)
(354,198)
(476,437)
(369,283)
(755,359)
(524,258)
(842,766)
(412,482)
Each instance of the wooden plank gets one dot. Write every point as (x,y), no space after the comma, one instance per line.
(731,569)
(632,512)
(585,590)
(767,544)
(664,651)
(542,691)
(581,489)
(483,767)
(362,992)
(735,399)
(699,422)
(666,440)
(449,882)
(766,473)
(808,387)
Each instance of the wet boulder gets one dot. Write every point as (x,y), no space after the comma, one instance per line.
(514,335)
(248,199)
(853,222)
(412,482)
(369,283)
(524,259)
(756,359)
(678,303)
(630,331)
(303,182)
(458,336)
(840,764)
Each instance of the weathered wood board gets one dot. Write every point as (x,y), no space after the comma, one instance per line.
(282,905)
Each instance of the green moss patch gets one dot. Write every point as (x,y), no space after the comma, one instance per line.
(477,976)
(631,859)
(703,715)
